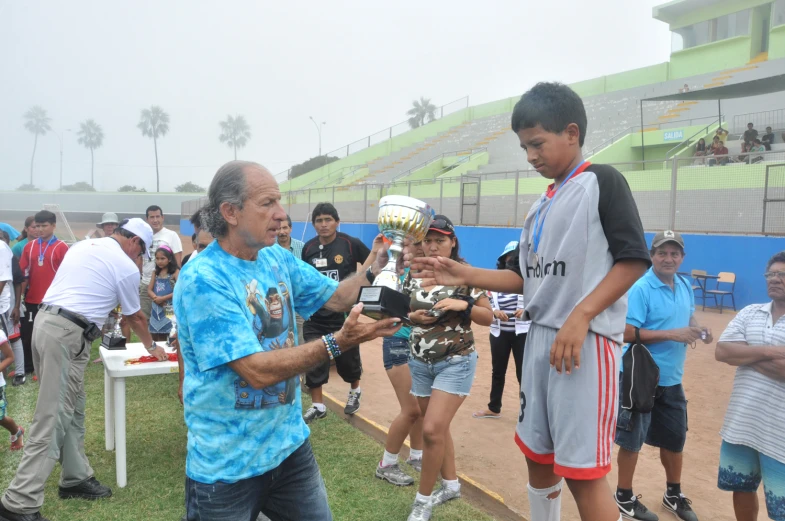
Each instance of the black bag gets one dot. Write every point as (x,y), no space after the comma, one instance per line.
(640,378)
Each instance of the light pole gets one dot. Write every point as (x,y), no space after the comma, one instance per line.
(319,130)
(60,139)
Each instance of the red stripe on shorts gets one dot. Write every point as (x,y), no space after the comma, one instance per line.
(599,399)
(614,396)
(542,459)
(609,404)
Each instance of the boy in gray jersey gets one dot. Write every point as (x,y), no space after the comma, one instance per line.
(581,249)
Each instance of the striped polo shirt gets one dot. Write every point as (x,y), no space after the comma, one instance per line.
(755,417)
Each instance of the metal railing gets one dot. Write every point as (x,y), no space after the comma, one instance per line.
(769,118)
(687,142)
(469,152)
(659,126)
(387,133)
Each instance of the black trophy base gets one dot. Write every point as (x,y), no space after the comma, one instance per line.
(113,342)
(382,302)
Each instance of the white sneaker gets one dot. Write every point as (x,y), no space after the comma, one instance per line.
(421,511)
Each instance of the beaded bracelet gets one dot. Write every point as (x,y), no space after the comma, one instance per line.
(332,346)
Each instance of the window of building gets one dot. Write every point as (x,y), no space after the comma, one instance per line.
(715,30)
(778,13)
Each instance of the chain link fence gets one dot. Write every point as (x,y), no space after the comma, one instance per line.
(741,194)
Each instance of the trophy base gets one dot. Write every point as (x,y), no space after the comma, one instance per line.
(382,302)
(113,342)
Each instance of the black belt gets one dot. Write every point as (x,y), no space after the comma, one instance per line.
(71,317)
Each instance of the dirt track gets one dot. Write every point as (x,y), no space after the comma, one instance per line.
(486,451)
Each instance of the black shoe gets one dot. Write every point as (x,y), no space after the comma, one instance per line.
(18,380)
(634,509)
(352,403)
(679,506)
(87,489)
(7,515)
(313,414)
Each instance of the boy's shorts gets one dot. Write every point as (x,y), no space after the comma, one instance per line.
(569,421)
(2,402)
(741,470)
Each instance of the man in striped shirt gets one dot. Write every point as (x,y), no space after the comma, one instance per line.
(753,435)
(286,241)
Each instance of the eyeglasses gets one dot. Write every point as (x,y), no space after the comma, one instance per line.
(769,275)
(441,224)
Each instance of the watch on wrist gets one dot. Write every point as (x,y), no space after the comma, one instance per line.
(151,348)
(369,275)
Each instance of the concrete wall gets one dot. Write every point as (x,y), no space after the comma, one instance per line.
(710,57)
(777,42)
(745,256)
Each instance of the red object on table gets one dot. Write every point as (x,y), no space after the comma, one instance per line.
(146,359)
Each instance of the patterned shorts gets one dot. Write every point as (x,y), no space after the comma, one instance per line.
(2,402)
(742,469)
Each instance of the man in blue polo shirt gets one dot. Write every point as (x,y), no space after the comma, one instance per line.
(660,308)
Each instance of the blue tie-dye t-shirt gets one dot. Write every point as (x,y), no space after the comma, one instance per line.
(228,308)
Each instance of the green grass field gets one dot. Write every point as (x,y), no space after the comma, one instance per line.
(156,460)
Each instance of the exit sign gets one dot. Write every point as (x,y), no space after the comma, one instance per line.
(673,135)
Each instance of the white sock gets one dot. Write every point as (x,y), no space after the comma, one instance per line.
(451,484)
(542,508)
(320,406)
(19,356)
(355,391)
(415,454)
(389,459)
(422,499)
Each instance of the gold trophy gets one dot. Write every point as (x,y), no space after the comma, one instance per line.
(114,339)
(400,217)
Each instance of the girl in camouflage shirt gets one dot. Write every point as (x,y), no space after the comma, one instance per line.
(442,364)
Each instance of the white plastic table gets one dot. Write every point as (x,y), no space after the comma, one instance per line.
(115,373)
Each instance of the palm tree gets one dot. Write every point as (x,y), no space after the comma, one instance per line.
(420,110)
(91,135)
(36,122)
(154,123)
(235,132)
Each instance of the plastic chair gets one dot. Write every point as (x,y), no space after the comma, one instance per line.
(724,277)
(698,286)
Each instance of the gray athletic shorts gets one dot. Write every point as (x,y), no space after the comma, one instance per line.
(569,421)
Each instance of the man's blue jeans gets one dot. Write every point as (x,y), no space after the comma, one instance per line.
(292,491)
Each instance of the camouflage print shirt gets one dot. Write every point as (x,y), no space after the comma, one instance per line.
(452,335)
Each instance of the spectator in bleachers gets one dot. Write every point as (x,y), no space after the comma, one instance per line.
(721,151)
(29,232)
(721,134)
(700,150)
(768,138)
(757,146)
(744,156)
(750,134)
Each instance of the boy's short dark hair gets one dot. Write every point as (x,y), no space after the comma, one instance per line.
(153,208)
(324,209)
(553,106)
(45,216)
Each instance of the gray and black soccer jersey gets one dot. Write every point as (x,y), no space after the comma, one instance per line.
(591,224)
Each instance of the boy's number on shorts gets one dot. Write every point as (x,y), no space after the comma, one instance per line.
(523,406)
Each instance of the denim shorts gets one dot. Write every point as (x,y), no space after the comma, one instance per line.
(453,375)
(395,352)
(664,427)
(2,402)
(741,470)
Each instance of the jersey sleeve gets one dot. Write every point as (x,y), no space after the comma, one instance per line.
(214,320)
(361,251)
(59,254)
(310,289)
(24,260)
(637,306)
(619,216)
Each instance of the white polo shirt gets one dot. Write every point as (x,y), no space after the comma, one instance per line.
(95,275)
(6,275)
(166,237)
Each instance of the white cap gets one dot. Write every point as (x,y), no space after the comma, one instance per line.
(107,218)
(142,230)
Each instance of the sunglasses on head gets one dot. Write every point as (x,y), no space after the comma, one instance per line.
(441,224)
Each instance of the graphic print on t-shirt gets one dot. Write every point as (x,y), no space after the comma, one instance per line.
(274,328)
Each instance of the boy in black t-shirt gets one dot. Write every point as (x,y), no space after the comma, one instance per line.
(335,255)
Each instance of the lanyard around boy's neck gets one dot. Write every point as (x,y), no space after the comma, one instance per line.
(538,226)
(41,254)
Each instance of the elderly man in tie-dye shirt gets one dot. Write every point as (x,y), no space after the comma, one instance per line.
(248,449)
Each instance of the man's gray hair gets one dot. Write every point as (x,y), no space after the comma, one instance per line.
(228,186)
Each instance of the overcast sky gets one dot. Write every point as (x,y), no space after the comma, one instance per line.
(356,65)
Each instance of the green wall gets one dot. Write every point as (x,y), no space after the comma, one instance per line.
(701,14)
(715,56)
(637,77)
(777,42)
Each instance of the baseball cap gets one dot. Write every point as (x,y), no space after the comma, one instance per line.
(442,224)
(507,249)
(142,230)
(108,217)
(667,236)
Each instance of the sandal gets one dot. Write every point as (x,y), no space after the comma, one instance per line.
(17,441)
(485,414)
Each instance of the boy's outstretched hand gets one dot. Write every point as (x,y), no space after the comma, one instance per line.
(566,348)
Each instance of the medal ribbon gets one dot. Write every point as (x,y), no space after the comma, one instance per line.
(42,253)
(538,226)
